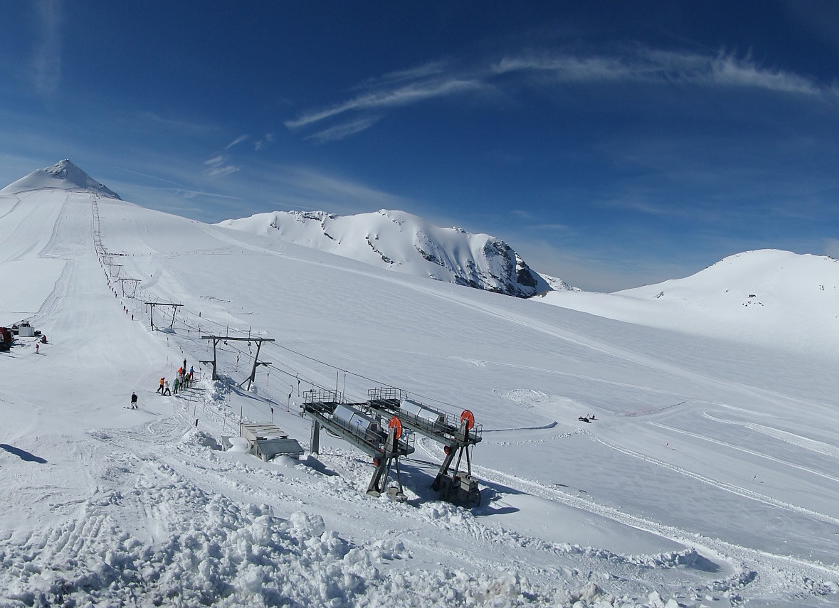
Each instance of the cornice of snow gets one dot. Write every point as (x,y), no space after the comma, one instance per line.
(63,175)
(403,242)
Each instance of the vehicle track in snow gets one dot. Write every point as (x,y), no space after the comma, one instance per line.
(722,485)
(800,441)
(750,451)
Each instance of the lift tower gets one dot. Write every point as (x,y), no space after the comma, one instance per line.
(249,339)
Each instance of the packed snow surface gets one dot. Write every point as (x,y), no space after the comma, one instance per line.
(708,476)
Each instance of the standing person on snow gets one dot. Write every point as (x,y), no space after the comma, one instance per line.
(175,385)
(160,388)
(166,390)
(133,401)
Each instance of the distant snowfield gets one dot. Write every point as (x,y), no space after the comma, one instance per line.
(772,298)
(708,478)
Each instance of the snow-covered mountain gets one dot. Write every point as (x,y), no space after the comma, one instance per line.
(622,465)
(403,242)
(63,175)
(763,297)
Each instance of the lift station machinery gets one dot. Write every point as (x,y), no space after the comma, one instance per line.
(457,437)
(364,430)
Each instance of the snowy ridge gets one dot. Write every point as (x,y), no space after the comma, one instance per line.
(405,243)
(63,175)
(706,477)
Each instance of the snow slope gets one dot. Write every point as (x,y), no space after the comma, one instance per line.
(703,481)
(769,298)
(405,243)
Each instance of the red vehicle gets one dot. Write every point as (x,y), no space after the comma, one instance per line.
(6,338)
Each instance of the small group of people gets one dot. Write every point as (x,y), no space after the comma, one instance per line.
(182,380)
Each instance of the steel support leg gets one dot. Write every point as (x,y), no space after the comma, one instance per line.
(314,439)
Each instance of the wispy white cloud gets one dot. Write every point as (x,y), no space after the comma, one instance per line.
(218,166)
(182,126)
(523,214)
(194,193)
(647,207)
(237,141)
(728,71)
(425,71)
(399,96)
(220,171)
(644,65)
(570,68)
(344,130)
(46,62)
(146,175)
(319,188)
(637,64)
(267,140)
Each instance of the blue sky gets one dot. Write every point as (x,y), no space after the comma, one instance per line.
(611,144)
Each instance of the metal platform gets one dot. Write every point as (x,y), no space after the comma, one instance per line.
(457,437)
(355,424)
(426,420)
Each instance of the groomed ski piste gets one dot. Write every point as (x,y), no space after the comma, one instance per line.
(708,476)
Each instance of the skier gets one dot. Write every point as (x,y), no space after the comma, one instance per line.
(175,385)
(160,388)
(133,401)
(36,348)
(166,390)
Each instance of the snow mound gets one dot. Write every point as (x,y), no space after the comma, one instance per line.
(402,242)
(196,437)
(63,175)
(239,444)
